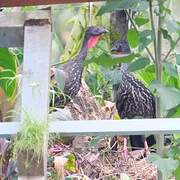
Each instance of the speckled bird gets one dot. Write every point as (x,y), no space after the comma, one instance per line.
(133,99)
(71,72)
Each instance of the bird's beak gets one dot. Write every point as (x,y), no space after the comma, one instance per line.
(103,30)
(113,49)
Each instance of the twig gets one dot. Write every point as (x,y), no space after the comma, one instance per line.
(132,22)
(108,175)
(170,50)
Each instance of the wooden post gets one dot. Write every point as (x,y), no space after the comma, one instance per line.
(35,84)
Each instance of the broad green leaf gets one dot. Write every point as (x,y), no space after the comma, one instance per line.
(172,81)
(177,137)
(147,75)
(172,26)
(8,82)
(59,79)
(172,95)
(108,60)
(112,76)
(174,112)
(171,69)
(7,60)
(145,38)
(167,36)
(133,38)
(140,21)
(138,64)
(70,165)
(174,152)
(166,165)
(141,6)
(113,5)
(178,59)
(177,172)
(94,142)
(135,5)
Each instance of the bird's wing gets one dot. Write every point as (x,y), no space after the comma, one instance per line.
(60,77)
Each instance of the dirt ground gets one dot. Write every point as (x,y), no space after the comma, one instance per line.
(99,161)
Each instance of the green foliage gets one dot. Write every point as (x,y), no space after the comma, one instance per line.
(95,141)
(7,72)
(140,21)
(172,95)
(98,83)
(146,37)
(112,75)
(108,60)
(70,165)
(138,64)
(172,26)
(166,165)
(178,59)
(167,36)
(174,152)
(135,5)
(133,37)
(77,33)
(31,137)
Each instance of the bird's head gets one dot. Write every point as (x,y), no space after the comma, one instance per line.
(121,47)
(93,34)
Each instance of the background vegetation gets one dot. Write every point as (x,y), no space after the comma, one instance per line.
(70,22)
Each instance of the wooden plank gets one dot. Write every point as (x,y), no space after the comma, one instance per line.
(12,27)
(13,3)
(114,127)
(9,128)
(11,37)
(103,127)
(17,19)
(35,85)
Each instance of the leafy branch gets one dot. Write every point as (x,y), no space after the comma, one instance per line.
(133,24)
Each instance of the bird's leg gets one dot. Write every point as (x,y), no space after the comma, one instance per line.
(125,149)
(146,148)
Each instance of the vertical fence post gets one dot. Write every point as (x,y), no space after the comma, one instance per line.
(35,84)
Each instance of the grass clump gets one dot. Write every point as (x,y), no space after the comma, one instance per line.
(30,139)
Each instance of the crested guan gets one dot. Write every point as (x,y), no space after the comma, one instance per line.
(133,99)
(71,72)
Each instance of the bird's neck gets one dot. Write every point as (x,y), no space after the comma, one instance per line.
(124,68)
(83,52)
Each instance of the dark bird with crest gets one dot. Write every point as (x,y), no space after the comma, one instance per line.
(133,99)
(71,72)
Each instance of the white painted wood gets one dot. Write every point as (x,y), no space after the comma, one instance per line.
(11,37)
(12,26)
(31,178)
(9,128)
(104,127)
(35,84)
(17,19)
(114,127)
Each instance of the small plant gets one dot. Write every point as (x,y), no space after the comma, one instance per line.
(30,138)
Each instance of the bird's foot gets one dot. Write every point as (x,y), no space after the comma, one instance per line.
(146,149)
(125,150)
(125,154)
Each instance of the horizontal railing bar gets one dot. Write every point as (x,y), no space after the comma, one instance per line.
(17,19)
(12,26)
(103,127)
